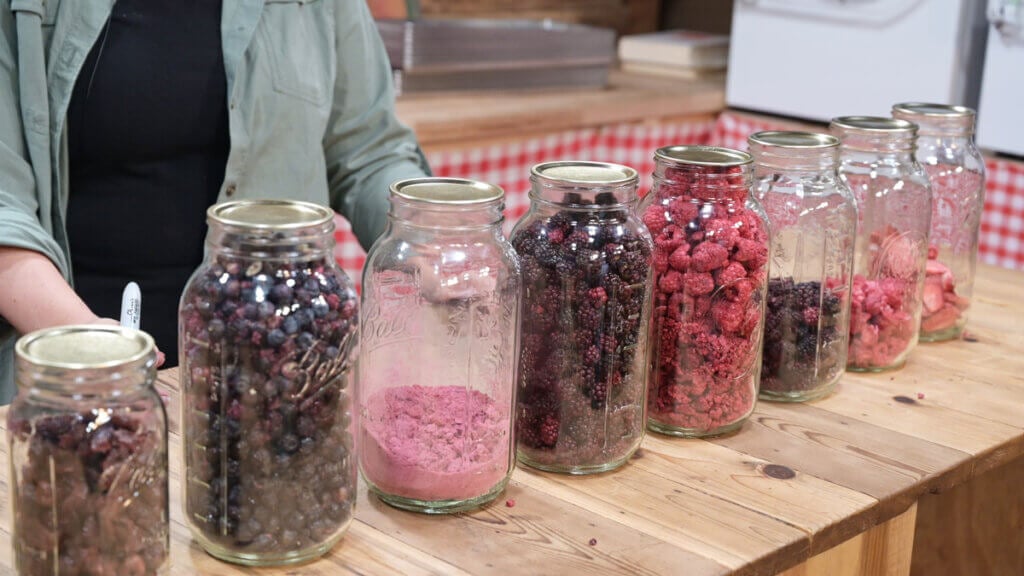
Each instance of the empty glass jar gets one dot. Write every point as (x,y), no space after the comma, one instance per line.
(956,171)
(437,365)
(813,219)
(586,267)
(87,439)
(894,211)
(710,278)
(267,331)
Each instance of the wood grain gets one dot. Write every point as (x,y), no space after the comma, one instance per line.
(828,487)
(464,120)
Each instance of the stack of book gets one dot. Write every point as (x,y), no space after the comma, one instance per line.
(429,55)
(677,53)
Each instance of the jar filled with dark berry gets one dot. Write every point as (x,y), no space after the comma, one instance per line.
(437,360)
(956,172)
(267,330)
(813,220)
(710,279)
(894,208)
(586,265)
(87,440)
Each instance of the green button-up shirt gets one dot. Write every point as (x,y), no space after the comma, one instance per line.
(310,107)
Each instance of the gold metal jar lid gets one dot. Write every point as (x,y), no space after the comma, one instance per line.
(702,156)
(794,139)
(269,214)
(437,190)
(85,347)
(584,174)
(930,110)
(875,125)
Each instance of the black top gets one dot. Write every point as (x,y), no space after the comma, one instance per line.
(148,143)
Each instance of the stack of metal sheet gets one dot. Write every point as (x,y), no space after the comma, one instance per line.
(429,55)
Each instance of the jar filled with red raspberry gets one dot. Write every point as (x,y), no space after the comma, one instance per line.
(894,209)
(585,260)
(710,279)
(267,328)
(437,363)
(813,219)
(87,439)
(956,171)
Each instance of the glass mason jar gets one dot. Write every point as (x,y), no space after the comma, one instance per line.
(267,328)
(876,160)
(437,364)
(586,266)
(710,278)
(813,219)
(87,440)
(956,171)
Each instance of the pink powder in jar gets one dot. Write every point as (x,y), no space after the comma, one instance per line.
(435,443)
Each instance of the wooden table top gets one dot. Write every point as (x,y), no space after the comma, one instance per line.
(454,118)
(795,481)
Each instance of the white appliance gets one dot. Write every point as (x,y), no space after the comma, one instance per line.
(1001,111)
(817,59)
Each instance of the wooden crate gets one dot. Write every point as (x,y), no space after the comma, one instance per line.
(625,16)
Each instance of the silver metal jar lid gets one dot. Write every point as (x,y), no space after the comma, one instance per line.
(436,190)
(269,214)
(930,110)
(702,156)
(84,347)
(875,124)
(585,174)
(794,139)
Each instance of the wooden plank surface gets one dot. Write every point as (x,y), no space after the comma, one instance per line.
(800,487)
(466,119)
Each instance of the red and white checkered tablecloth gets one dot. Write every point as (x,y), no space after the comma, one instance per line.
(508,165)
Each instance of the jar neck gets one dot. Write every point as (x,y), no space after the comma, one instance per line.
(306,243)
(896,143)
(446,217)
(941,126)
(48,383)
(785,159)
(713,182)
(583,198)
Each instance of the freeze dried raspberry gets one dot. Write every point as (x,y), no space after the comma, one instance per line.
(734,272)
(729,315)
(655,221)
(708,256)
(722,231)
(683,211)
(670,282)
(670,238)
(698,283)
(680,258)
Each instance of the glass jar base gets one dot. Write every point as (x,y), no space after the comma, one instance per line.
(951,333)
(876,369)
(797,395)
(437,506)
(578,470)
(679,431)
(270,558)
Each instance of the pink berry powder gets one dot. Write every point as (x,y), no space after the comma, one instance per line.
(435,443)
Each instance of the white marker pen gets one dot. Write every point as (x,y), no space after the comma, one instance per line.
(131,306)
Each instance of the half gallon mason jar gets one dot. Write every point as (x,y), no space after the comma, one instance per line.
(437,364)
(711,275)
(813,219)
(894,208)
(956,171)
(586,267)
(87,439)
(267,331)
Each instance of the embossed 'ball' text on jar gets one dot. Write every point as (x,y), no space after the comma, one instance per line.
(437,363)
(267,332)
(586,266)
(87,439)
(894,208)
